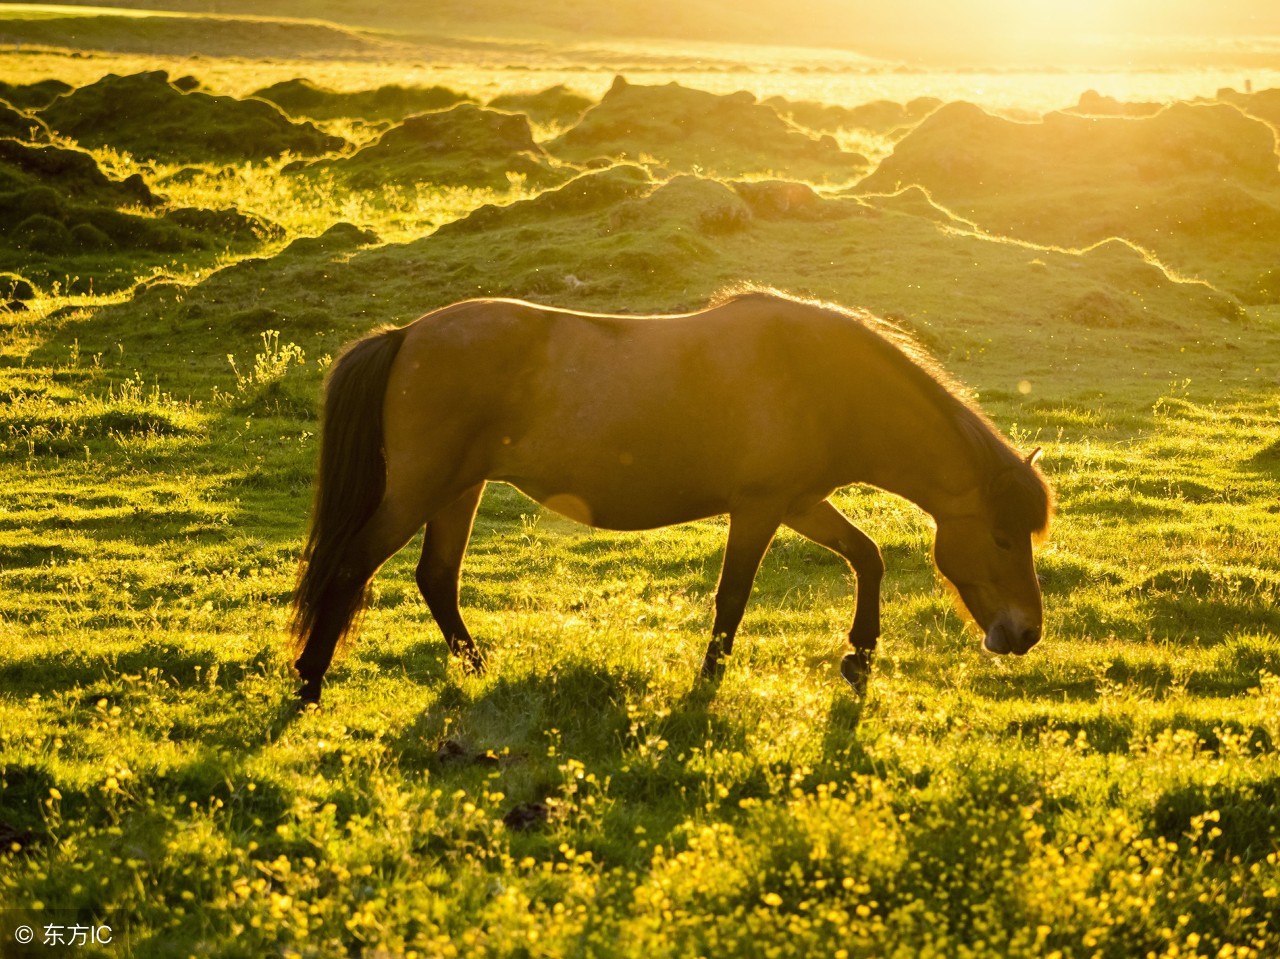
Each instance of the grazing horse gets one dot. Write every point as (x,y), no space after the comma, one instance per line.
(760,407)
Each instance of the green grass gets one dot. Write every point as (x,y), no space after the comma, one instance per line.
(159,32)
(1114,793)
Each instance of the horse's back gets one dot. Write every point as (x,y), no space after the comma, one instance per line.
(637,421)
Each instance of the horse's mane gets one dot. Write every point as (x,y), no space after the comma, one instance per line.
(1018,492)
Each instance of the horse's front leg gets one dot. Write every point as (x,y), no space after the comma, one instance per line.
(827,526)
(750,534)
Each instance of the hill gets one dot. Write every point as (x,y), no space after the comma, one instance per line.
(1197,184)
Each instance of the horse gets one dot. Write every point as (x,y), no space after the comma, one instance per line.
(760,406)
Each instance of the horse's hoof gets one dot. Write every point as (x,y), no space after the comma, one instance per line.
(309,695)
(473,663)
(855,667)
(712,670)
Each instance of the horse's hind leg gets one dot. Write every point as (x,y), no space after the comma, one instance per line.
(827,526)
(749,537)
(443,547)
(391,526)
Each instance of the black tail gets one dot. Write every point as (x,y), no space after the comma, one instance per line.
(351,482)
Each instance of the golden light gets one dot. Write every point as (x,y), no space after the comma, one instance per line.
(1038,31)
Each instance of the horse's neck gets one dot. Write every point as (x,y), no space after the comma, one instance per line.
(927,458)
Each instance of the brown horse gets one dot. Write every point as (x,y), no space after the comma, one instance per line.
(759,407)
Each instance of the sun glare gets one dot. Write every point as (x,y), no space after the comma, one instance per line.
(1045,30)
(1057,18)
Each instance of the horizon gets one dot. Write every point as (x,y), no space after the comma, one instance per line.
(992,33)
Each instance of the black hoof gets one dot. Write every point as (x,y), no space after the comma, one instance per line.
(712,670)
(474,663)
(309,694)
(855,667)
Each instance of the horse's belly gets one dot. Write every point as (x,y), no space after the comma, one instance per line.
(621,505)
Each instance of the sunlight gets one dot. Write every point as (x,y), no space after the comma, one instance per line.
(1050,20)
(1042,30)
(1005,226)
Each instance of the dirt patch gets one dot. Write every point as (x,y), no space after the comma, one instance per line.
(463,146)
(302,98)
(879,116)
(695,131)
(145,115)
(556,104)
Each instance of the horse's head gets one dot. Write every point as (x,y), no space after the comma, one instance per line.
(987,556)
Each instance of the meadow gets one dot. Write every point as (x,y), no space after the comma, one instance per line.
(1115,793)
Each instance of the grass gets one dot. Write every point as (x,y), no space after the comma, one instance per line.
(1114,793)
(146,32)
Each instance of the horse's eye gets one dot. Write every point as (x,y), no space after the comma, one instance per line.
(1002,541)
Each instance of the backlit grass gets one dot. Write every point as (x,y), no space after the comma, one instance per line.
(1114,793)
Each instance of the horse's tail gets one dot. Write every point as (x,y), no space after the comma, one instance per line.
(349,486)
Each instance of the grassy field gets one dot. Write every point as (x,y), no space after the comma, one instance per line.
(1115,793)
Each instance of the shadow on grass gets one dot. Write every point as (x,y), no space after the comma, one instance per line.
(1248,823)
(49,673)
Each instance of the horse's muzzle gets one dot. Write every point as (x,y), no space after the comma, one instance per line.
(1004,637)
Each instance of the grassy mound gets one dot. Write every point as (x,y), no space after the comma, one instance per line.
(1196,184)
(556,104)
(588,193)
(159,32)
(18,125)
(15,289)
(339,238)
(691,130)
(879,116)
(787,199)
(1094,104)
(601,237)
(684,205)
(915,201)
(61,215)
(33,96)
(1265,104)
(143,114)
(229,223)
(464,146)
(302,98)
(68,173)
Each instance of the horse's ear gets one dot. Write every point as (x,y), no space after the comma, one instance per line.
(1034,456)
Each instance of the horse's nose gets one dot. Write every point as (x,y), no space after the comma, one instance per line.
(1026,639)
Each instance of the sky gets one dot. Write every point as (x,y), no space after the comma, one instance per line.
(986,32)
(1029,30)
